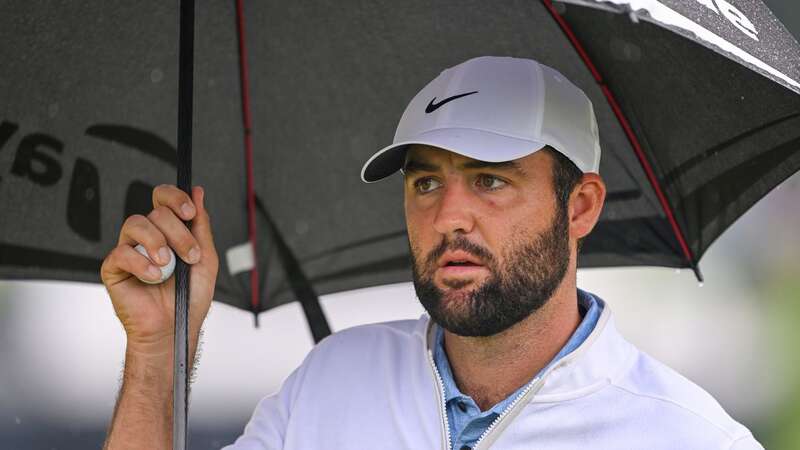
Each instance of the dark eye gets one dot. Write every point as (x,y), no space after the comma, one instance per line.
(426,185)
(490,182)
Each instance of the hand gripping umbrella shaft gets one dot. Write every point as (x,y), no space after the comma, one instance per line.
(180,405)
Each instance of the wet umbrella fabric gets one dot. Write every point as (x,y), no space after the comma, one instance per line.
(697,103)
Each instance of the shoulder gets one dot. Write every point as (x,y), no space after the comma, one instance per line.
(645,394)
(396,329)
(367,349)
(680,405)
(362,367)
(373,336)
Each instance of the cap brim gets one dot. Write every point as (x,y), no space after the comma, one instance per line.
(475,144)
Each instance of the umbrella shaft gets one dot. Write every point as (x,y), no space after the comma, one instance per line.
(180,403)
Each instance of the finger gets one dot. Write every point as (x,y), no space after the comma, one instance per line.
(138,229)
(124,261)
(177,234)
(175,199)
(201,225)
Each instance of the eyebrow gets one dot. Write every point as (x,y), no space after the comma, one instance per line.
(502,165)
(414,165)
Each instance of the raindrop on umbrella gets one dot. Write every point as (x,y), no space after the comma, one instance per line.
(156,75)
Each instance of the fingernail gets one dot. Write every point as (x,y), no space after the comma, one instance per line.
(154,272)
(194,255)
(187,209)
(163,255)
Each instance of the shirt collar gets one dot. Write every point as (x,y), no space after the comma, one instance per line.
(588,306)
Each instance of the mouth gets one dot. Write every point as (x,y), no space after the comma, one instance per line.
(459,264)
(458,258)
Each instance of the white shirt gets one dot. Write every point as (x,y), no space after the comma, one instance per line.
(376,387)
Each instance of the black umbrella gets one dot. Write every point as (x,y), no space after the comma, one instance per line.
(697,103)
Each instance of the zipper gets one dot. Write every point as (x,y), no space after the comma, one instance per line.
(505,412)
(531,389)
(442,406)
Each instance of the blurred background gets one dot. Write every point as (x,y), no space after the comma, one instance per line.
(62,348)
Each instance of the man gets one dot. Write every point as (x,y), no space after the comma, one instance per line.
(500,159)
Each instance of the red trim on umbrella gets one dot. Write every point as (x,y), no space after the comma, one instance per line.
(612,101)
(248,150)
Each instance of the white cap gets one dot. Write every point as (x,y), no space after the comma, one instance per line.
(495,109)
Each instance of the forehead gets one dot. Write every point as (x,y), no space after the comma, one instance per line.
(427,153)
(431,158)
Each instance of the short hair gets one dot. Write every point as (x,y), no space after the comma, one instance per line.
(566,176)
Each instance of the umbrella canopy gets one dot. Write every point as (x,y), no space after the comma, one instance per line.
(697,103)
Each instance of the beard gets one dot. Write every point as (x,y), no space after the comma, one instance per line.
(531,273)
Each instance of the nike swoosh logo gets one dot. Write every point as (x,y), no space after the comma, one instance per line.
(434,106)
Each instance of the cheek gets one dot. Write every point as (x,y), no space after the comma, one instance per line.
(422,236)
(418,218)
(498,219)
(413,241)
(504,232)
(536,212)
(413,228)
(498,236)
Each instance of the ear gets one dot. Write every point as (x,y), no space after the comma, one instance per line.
(585,205)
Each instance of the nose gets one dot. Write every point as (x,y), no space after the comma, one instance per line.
(455,212)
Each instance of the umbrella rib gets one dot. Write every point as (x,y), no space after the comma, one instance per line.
(623,121)
(298,281)
(673,175)
(341,248)
(255,300)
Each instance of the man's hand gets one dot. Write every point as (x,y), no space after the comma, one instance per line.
(143,417)
(147,311)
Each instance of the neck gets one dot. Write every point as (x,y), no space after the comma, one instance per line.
(489,369)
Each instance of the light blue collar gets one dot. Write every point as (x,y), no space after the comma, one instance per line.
(591,310)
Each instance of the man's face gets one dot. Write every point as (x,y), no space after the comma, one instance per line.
(489,245)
